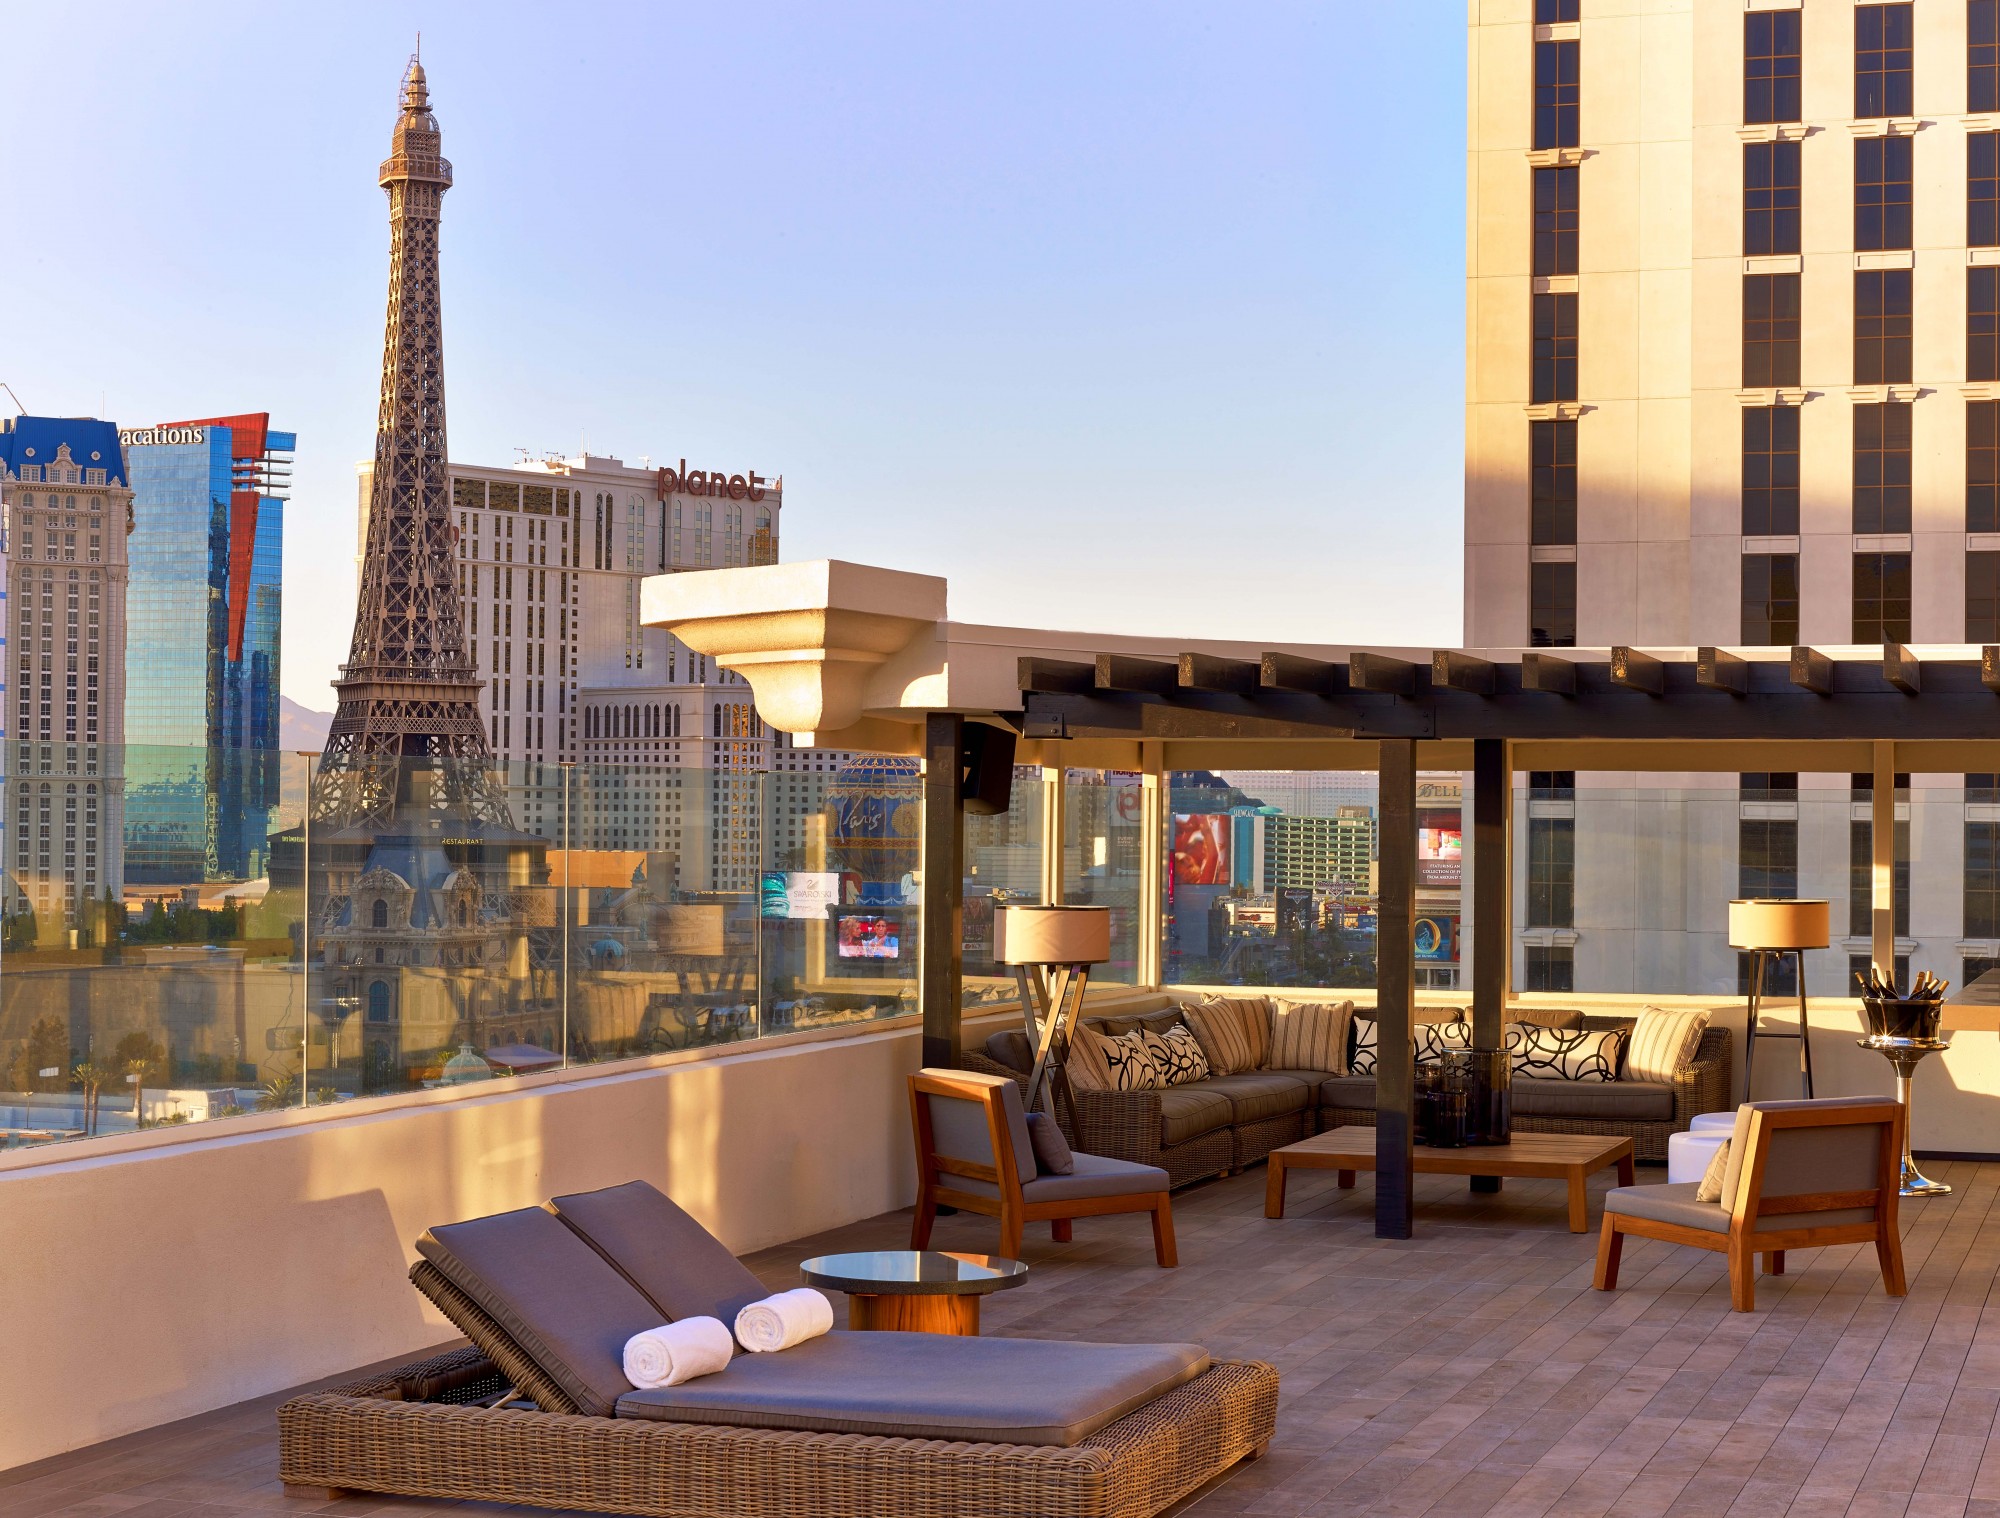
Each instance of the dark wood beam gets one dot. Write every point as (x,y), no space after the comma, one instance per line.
(1633,670)
(1812,670)
(1492,880)
(1124,672)
(1454,670)
(1056,674)
(1901,669)
(1210,672)
(941,852)
(1989,667)
(1294,672)
(1549,674)
(1395,990)
(1716,669)
(1381,674)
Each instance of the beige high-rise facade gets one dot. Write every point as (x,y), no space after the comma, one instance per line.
(1733,378)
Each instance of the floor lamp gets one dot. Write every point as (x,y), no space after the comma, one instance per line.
(1768,930)
(1051,950)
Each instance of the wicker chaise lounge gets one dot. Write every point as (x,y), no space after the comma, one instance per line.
(847,1424)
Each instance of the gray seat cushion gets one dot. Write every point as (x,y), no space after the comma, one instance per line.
(1259,1094)
(677,1264)
(1675,1203)
(1190,1111)
(1009,1047)
(930,1386)
(1093,1176)
(1621,1101)
(1348,1091)
(557,1298)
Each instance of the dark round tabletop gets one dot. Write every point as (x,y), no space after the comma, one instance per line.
(913,1273)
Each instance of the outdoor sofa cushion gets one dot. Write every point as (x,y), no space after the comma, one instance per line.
(1153,1022)
(1190,1111)
(1618,1101)
(1092,1175)
(1009,1047)
(1261,1094)
(1675,1203)
(678,1265)
(555,1296)
(1348,1091)
(930,1386)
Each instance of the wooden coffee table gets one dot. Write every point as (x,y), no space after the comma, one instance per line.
(1567,1157)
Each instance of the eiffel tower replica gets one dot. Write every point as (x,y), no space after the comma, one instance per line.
(410,858)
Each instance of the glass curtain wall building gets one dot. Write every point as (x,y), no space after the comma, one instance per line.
(201,709)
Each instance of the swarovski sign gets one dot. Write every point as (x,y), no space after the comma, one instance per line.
(160,437)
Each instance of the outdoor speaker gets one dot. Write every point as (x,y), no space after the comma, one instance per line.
(985,768)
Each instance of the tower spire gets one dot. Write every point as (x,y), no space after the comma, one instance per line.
(409,692)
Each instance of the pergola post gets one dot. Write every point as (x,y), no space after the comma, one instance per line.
(1152,864)
(1055,830)
(942,857)
(1492,910)
(1395,988)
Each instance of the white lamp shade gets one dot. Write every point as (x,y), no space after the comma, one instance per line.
(1052,935)
(1766,924)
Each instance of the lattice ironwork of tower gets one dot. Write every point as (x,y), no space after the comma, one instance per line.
(407,735)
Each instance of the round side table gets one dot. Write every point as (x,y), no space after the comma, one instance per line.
(914,1290)
(1905,1054)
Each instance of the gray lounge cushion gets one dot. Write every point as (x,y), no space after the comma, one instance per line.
(1009,1047)
(1189,1111)
(1619,1101)
(556,1297)
(1348,1091)
(678,1265)
(1675,1203)
(1093,1175)
(1259,1094)
(930,1386)
(1119,1023)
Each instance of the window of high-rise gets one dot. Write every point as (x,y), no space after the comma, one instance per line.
(1982,56)
(1551,872)
(1554,359)
(1770,615)
(1982,597)
(1557,93)
(1770,330)
(1548,967)
(1555,12)
(1884,60)
(1982,466)
(1882,327)
(1982,880)
(1555,221)
(1882,467)
(1552,490)
(1982,188)
(1770,198)
(1881,598)
(1982,323)
(1770,471)
(1552,605)
(1770,67)
(1882,171)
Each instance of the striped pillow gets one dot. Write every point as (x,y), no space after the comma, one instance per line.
(1310,1035)
(1087,1068)
(1224,1035)
(1663,1043)
(1253,1014)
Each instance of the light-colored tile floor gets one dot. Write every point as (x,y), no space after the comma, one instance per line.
(1468,1371)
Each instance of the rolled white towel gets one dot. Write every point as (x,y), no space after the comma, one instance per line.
(779,1322)
(677,1352)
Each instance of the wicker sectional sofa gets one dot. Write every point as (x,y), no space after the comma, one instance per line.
(1216,1126)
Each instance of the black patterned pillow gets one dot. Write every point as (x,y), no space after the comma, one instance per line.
(1557,1054)
(1361,1058)
(1132,1066)
(1431,1040)
(1177,1055)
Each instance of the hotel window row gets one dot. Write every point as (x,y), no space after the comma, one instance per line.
(1884,62)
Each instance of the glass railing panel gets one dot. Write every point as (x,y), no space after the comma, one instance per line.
(1101,853)
(1003,864)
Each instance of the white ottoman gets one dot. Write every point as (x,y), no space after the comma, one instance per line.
(1688,1153)
(1713,1122)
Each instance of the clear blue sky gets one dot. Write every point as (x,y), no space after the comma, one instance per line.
(1122,316)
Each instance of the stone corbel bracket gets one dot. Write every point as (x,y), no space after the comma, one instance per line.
(808,637)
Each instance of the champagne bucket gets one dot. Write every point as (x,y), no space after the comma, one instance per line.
(1885,1017)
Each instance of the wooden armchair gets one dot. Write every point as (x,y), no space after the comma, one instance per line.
(974,1153)
(1800,1174)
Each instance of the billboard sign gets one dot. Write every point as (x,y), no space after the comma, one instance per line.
(800,895)
(1201,848)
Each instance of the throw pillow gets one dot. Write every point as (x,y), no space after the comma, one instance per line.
(1177,1055)
(1557,1054)
(1310,1035)
(1052,1151)
(1132,1067)
(1434,1038)
(1087,1067)
(1253,1017)
(1663,1043)
(1223,1035)
(1361,1049)
(1709,1189)
(1546,1017)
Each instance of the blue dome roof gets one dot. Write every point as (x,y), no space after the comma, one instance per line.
(35,439)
